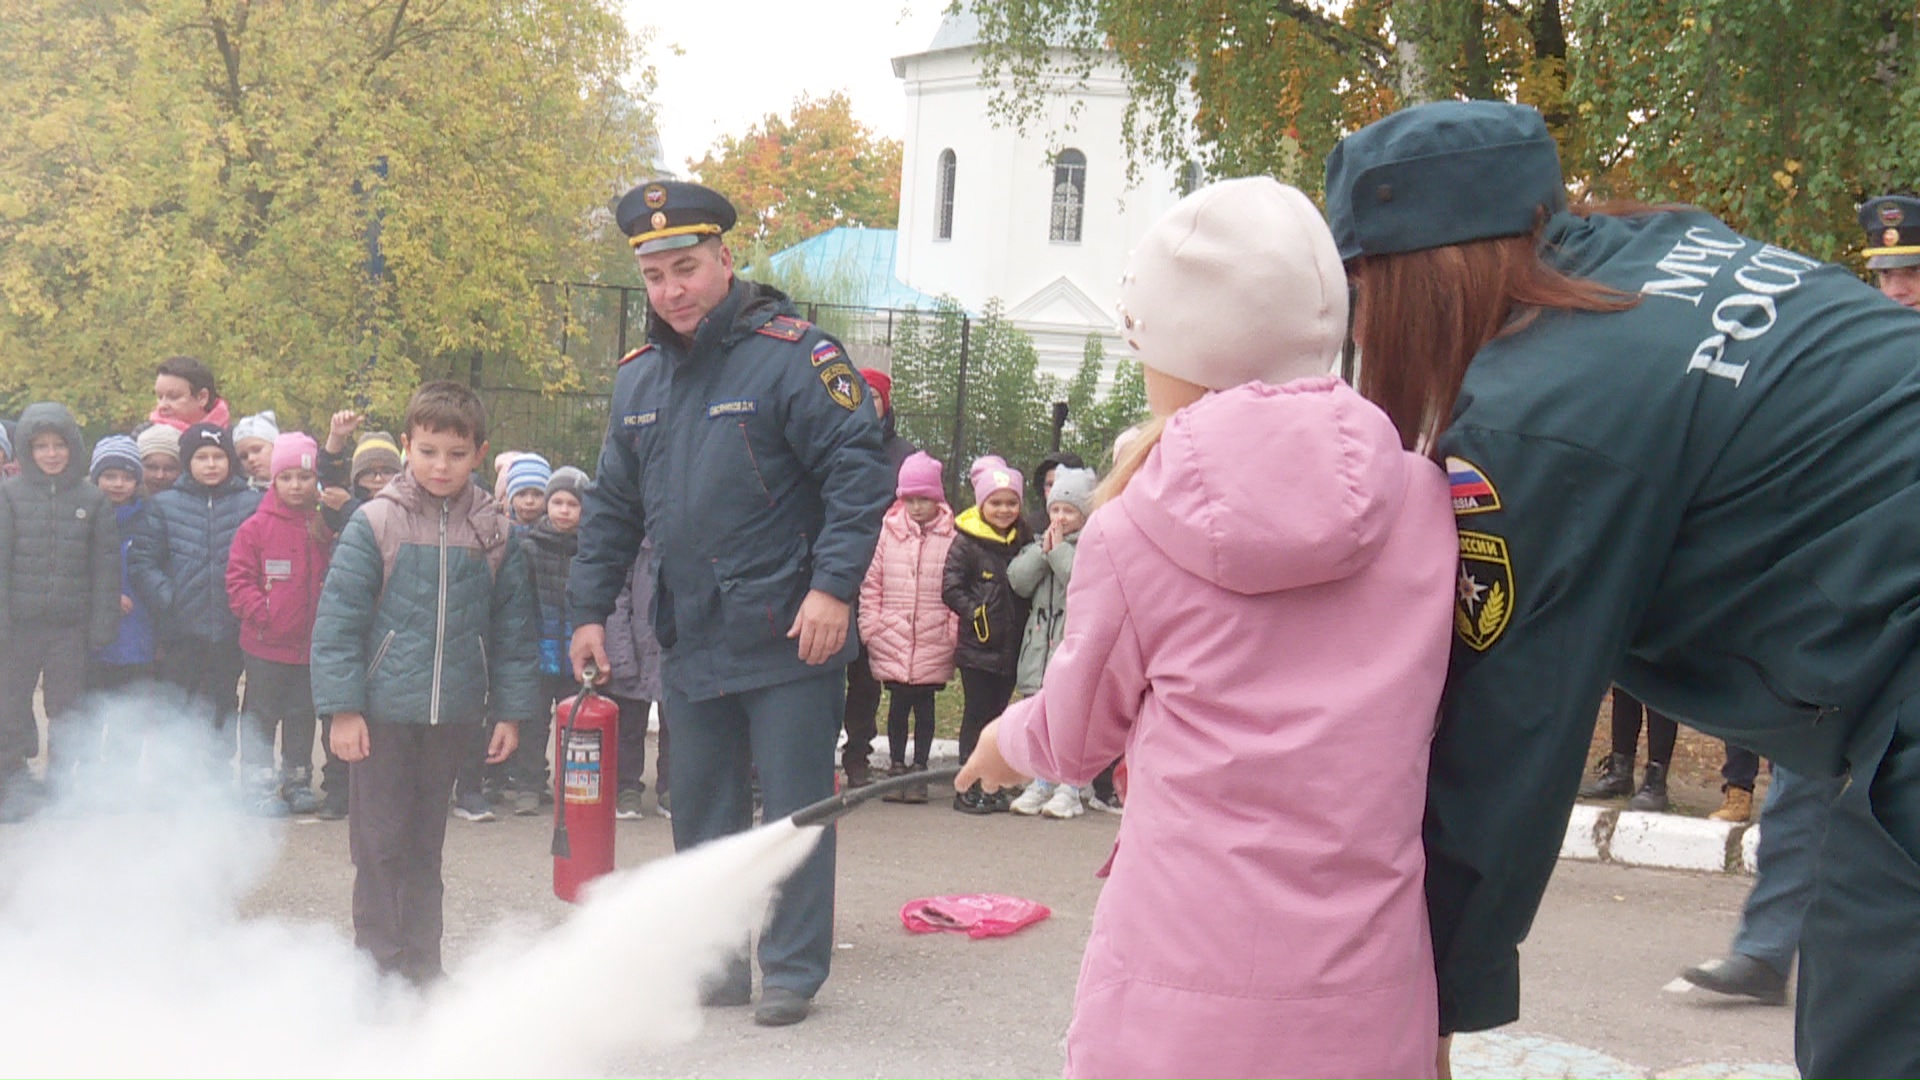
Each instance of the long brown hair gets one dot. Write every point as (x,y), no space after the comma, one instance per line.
(1421,316)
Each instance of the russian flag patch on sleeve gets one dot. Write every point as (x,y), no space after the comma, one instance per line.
(1473,493)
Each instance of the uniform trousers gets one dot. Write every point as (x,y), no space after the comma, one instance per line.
(1793,823)
(788,732)
(1857,1011)
(396,831)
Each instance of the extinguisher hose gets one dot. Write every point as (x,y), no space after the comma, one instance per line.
(562,847)
(830,808)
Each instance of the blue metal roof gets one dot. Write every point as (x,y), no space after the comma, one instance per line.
(865,253)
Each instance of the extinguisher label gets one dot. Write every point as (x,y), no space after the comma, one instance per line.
(583,767)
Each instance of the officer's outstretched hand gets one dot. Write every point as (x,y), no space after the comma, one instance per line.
(821,627)
(590,648)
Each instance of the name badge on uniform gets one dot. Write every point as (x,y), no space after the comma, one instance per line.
(732,408)
(279,568)
(640,419)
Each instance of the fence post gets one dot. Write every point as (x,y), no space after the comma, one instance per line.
(475,370)
(960,400)
(622,341)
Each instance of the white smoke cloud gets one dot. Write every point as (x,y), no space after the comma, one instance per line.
(124,952)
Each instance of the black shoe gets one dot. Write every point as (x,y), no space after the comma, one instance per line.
(780,1007)
(1652,795)
(898,768)
(727,996)
(859,775)
(916,794)
(1739,975)
(1615,780)
(975,801)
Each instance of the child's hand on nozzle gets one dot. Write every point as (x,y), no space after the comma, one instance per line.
(986,766)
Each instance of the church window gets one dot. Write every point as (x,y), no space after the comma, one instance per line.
(1191,177)
(1069,196)
(943,225)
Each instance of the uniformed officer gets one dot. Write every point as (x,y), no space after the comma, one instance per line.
(739,442)
(1893,245)
(1685,461)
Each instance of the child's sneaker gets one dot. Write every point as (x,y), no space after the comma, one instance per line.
(302,801)
(526,803)
(333,807)
(472,806)
(628,806)
(662,804)
(1109,805)
(1033,799)
(1065,803)
(899,794)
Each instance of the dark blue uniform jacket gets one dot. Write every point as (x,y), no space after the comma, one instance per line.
(752,456)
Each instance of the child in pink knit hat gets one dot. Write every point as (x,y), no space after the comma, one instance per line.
(992,615)
(274,573)
(907,629)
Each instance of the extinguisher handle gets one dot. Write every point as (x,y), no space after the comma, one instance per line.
(589,675)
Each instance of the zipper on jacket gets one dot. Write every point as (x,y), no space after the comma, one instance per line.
(440,630)
(486,669)
(381,653)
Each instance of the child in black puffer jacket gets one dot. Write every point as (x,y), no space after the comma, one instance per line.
(178,562)
(59,593)
(992,615)
(549,545)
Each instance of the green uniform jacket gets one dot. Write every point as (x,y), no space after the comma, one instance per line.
(428,615)
(1712,499)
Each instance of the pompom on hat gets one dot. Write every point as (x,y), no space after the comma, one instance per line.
(1238,283)
(1443,173)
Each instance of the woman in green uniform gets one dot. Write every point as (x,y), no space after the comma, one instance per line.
(1685,461)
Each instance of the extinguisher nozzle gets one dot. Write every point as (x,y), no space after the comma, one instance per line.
(561,848)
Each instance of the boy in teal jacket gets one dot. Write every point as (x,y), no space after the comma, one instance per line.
(427,625)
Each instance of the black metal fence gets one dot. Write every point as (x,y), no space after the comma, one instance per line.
(562,413)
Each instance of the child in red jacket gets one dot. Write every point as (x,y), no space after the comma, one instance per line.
(274,575)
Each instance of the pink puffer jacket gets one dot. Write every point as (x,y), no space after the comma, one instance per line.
(909,632)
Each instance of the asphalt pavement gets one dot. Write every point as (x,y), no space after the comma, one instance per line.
(1607,940)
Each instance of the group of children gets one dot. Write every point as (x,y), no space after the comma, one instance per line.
(982,592)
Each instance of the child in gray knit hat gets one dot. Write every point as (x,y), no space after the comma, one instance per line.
(1040,573)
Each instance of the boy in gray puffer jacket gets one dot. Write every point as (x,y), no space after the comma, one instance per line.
(59,591)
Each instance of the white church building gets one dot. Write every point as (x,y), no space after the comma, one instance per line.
(1043,220)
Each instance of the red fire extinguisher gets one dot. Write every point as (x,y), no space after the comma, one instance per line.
(586,781)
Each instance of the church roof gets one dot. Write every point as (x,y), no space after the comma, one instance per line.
(957,31)
(865,254)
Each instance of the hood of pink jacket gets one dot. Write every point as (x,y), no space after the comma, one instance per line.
(1309,497)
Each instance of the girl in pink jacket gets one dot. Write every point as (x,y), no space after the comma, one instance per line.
(274,574)
(907,628)
(1262,608)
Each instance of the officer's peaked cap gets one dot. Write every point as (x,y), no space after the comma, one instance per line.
(661,215)
(1443,173)
(1893,231)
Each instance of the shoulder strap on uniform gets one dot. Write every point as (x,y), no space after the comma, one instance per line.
(635,354)
(785,327)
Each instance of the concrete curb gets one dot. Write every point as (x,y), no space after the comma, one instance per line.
(1594,833)
(1663,841)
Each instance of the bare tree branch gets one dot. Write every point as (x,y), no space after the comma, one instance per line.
(1337,36)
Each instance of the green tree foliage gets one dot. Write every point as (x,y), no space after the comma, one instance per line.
(1008,404)
(798,175)
(1779,116)
(1094,420)
(196,176)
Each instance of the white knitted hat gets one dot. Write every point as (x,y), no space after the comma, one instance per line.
(1239,282)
